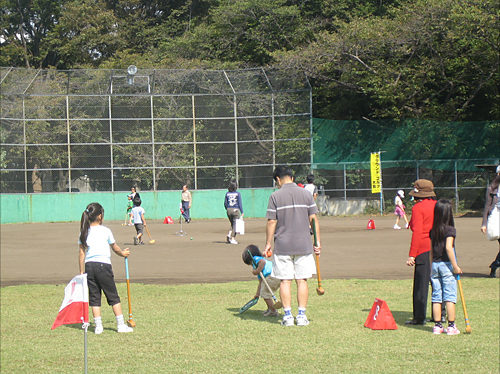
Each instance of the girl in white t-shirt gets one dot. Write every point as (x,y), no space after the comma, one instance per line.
(96,242)
(400,209)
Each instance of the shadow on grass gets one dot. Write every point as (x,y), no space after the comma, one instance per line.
(254,314)
(400,317)
(90,330)
(475,275)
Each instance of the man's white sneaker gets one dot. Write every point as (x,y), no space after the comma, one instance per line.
(233,241)
(99,329)
(302,320)
(124,328)
(287,321)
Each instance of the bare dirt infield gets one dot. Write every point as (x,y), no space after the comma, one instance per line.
(47,253)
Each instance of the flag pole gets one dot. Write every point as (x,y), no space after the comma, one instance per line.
(85,327)
(381,185)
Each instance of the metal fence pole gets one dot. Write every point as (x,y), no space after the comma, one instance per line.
(111,144)
(456,188)
(235,108)
(194,146)
(25,150)
(345,183)
(153,138)
(68,137)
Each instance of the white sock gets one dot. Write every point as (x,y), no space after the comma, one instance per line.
(288,311)
(98,321)
(302,311)
(120,320)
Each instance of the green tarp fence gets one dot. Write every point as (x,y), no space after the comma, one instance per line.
(338,142)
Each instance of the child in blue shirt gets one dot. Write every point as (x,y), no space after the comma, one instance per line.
(260,264)
(139,220)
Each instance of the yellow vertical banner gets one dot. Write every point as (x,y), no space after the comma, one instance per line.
(375,172)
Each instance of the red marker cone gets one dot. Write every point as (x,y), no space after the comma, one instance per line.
(380,317)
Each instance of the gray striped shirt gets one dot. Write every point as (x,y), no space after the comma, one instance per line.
(291,206)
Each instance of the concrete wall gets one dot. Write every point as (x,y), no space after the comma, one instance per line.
(67,207)
(340,207)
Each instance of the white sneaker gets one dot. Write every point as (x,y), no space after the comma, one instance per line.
(233,241)
(270,313)
(287,321)
(124,328)
(302,320)
(396,227)
(229,238)
(407,225)
(99,329)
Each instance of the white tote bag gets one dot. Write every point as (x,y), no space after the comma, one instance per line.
(493,225)
(240,226)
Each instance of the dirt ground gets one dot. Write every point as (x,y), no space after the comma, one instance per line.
(47,253)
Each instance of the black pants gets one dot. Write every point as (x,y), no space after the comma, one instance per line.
(496,264)
(421,280)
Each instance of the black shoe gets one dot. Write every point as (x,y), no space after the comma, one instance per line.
(415,322)
(493,273)
(188,220)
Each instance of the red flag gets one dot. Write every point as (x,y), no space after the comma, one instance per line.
(75,306)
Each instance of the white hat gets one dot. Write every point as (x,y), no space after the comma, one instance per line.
(498,169)
(401,193)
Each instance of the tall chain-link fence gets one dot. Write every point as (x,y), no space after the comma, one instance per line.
(453,179)
(108,130)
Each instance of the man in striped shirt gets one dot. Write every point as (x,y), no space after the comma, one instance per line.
(290,212)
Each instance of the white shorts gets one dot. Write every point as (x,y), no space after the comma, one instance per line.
(274,284)
(293,267)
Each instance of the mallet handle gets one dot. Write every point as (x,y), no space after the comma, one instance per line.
(150,238)
(315,255)
(128,289)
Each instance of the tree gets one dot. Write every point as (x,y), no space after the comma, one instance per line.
(25,24)
(422,61)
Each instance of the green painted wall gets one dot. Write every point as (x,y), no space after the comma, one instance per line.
(67,207)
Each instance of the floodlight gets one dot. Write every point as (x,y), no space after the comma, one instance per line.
(132,70)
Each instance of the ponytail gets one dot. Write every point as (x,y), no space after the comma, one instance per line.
(89,215)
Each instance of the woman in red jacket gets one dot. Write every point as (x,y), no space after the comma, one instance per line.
(422,218)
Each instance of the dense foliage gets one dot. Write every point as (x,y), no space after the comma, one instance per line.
(367,59)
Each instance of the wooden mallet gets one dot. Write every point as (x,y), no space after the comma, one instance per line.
(468,328)
(151,240)
(320,289)
(130,322)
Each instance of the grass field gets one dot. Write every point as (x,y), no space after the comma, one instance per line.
(197,329)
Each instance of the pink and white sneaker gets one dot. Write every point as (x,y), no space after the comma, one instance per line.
(452,330)
(438,330)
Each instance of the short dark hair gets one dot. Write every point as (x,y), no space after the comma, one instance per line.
(310,178)
(282,171)
(137,201)
(254,250)
(233,186)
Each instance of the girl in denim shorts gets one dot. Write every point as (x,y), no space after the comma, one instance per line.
(444,267)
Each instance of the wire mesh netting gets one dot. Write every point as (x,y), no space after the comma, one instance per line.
(465,188)
(450,154)
(106,130)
